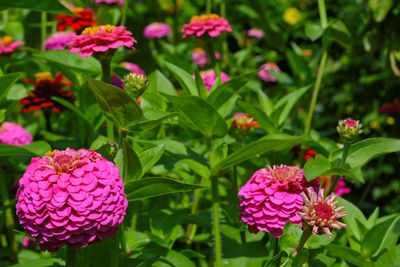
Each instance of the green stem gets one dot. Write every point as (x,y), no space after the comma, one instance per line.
(191,230)
(124,13)
(106,77)
(324,24)
(276,251)
(77,257)
(208,6)
(9,219)
(345,152)
(223,9)
(176,25)
(304,237)
(44,28)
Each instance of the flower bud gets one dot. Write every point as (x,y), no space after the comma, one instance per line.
(349,129)
(135,84)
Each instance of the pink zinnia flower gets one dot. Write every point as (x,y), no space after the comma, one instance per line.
(71,198)
(264,74)
(13,134)
(134,68)
(200,57)
(110,2)
(321,213)
(7,45)
(341,187)
(211,24)
(243,121)
(255,33)
(157,30)
(101,39)
(59,40)
(209,77)
(272,197)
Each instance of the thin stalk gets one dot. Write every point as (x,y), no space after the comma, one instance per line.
(176,25)
(124,12)
(106,77)
(223,8)
(43,27)
(276,252)
(77,257)
(346,147)
(9,219)
(191,230)
(208,6)
(304,237)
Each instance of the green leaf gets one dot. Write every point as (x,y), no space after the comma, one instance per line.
(348,255)
(380,8)
(49,262)
(298,65)
(199,115)
(389,258)
(228,89)
(319,241)
(132,164)
(70,106)
(116,104)
(38,148)
(337,31)
(313,31)
(51,6)
(290,237)
(151,124)
(152,187)
(150,157)
(160,83)
(201,87)
(301,258)
(105,147)
(7,82)
(366,150)
(272,142)
(184,78)
(373,218)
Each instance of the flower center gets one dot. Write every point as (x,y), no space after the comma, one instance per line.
(323,210)
(96,29)
(77,9)
(40,76)
(6,40)
(198,50)
(284,174)
(205,17)
(63,161)
(350,123)
(271,64)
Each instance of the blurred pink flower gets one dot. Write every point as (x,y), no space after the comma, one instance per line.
(209,77)
(272,197)
(59,40)
(70,198)
(101,39)
(110,2)
(7,45)
(342,188)
(255,33)
(132,67)
(390,108)
(157,30)
(243,121)
(211,24)
(199,57)
(13,134)
(27,242)
(264,74)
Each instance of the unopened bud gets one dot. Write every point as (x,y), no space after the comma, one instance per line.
(349,129)
(135,84)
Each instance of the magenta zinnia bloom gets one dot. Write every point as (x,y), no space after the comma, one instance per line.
(209,77)
(264,74)
(59,40)
(101,39)
(321,213)
(255,33)
(71,198)
(13,134)
(272,197)
(7,45)
(134,68)
(211,24)
(110,2)
(157,30)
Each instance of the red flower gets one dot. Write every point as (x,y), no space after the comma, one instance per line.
(45,88)
(86,19)
(309,153)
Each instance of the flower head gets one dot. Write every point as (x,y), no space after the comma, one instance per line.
(135,84)
(349,128)
(272,197)
(200,57)
(7,45)
(85,18)
(59,40)
(265,73)
(211,24)
(45,88)
(134,68)
(243,121)
(13,134)
(292,16)
(255,33)
(321,213)
(157,30)
(70,198)
(101,39)
(110,2)
(209,77)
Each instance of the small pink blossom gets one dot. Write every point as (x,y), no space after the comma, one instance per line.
(110,2)
(211,24)
(255,33)
(72,198)
(157,30)
(101,39)
(200,57)
(265,74)
(209,77)
(13,134)
(134,68)
(27,242)
(59,40)
(7,45)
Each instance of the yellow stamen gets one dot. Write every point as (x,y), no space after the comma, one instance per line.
(306,52)
(43,76)
(198,50)
(77,9)
(51,153)
(95,29)
(205,17)
(6,40)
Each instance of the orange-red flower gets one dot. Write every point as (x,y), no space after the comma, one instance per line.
(86,18)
